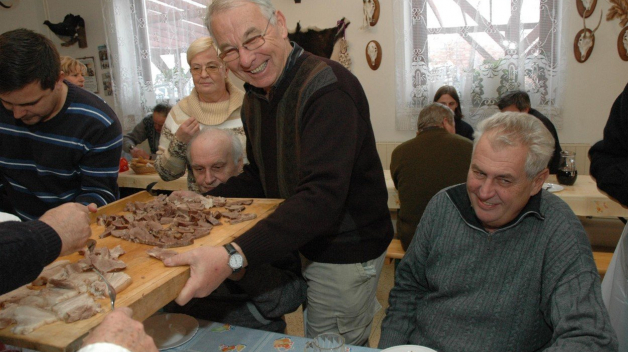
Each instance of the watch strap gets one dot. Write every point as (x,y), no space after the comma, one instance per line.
(230,249)
(232,252)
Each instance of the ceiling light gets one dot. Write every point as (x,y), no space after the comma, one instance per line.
(196,24)
(195,3)
(164,4)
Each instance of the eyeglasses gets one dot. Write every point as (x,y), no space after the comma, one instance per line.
(210,68)
(250,45)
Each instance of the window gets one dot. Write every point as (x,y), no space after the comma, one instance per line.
(483,48)
(147,42)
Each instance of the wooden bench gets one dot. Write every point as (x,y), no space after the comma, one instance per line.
(602,258)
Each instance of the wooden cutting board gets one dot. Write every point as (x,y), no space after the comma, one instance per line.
(154,285)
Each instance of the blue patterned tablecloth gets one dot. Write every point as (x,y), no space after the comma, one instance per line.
(218,337)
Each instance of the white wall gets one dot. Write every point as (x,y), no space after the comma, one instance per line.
(590,88)
(31,14)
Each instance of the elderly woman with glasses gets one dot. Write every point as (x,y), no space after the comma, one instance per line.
(214,102)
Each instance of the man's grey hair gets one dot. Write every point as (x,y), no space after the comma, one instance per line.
(510,129)
(518,98)
(265,6)
(210,133)
(433,115)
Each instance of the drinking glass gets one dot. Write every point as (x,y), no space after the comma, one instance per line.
(567,172)
(328,342)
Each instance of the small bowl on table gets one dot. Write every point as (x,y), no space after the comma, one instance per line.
(142,166)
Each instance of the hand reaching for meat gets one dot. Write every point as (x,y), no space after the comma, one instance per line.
(208,269)
(71,222)
(139,153)
(120,329)
(187,129)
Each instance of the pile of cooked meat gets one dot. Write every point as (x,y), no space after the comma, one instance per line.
(64,291)
(173,221)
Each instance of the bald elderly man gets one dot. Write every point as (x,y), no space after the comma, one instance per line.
(214,155)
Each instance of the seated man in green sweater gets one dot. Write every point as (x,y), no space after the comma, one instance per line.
(498,263)
(436,158)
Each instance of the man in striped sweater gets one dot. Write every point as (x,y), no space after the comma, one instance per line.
(498,264)
(58,143)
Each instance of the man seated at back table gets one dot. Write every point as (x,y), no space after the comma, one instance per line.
(254,297)
(436,158)
(498,264)
(149,129)
(519,101)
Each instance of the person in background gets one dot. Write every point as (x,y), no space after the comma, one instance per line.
(58,143)
(215,156)
(609,157)
(309,141)
(214,102)
(448,96)
(73,70)
(148,129)
(27,247)
(498,263)
(436,158)
(519,101)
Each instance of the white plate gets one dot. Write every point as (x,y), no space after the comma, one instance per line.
(552,187)
(408,348)
(170,330)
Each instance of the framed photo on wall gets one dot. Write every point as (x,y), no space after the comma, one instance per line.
(91,82)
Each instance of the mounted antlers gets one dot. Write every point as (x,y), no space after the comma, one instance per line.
(585,40)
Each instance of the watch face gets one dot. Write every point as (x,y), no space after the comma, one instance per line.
(235,261)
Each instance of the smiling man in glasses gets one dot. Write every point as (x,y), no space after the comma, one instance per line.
(309,141)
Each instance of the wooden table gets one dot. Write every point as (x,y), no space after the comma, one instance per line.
(132,180)
(583,197)
(154,285)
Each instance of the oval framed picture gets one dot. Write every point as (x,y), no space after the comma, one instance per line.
(373,54)
(622,44)
(375,13)
(582,6)
(581,49)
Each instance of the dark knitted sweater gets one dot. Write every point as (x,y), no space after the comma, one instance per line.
(324,162)
(25,249)
(421,167)
(73,157)
(531,285)
(609,157)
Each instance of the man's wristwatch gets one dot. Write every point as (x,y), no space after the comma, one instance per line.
(235,259)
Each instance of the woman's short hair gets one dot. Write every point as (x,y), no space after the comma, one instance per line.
(70,65)
(198,46)
(451,91)
(509,129)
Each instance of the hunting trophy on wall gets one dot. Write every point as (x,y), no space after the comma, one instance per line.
(370,12)
(584,41)
(586,7)
(619,10)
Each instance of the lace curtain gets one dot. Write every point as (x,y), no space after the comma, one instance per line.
(147,42)
(484,48)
